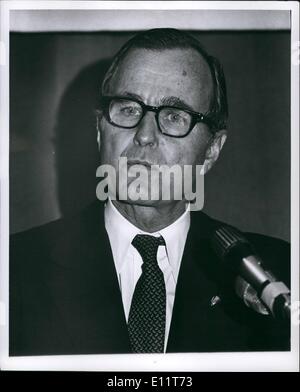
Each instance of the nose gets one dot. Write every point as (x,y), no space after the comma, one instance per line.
(147,132)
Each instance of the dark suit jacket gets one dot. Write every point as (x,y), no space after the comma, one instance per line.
(65,298)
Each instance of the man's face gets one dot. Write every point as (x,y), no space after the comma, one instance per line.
(169,77)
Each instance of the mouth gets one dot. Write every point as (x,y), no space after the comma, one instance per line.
(132,162)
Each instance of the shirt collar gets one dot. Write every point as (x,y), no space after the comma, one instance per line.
(121,233)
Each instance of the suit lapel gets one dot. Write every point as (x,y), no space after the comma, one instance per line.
(85,289)
(198,323)
(192,298)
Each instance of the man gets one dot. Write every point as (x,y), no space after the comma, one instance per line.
(139,275)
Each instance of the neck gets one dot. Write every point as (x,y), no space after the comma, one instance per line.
(151,218)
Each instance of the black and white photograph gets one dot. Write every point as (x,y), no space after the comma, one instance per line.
(149,186)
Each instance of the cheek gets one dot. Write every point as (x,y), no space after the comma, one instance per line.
(190,151)
(198,145)
(112,143)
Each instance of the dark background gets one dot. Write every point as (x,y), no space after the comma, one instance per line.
(55,81)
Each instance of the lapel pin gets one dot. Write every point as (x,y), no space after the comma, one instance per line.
(215,300)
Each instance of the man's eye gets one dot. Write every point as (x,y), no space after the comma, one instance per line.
(175,118)
(130,111)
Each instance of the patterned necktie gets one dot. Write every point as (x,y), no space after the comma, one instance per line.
(147,316)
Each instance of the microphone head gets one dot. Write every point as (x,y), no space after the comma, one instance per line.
(231,246)
(226,237)
(256,286)
(229,243)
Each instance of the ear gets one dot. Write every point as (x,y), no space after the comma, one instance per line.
(98,127)
(98,139)
(213,150)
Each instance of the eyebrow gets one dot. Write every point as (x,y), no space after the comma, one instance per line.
(127,94)
(175,101)
(165,101)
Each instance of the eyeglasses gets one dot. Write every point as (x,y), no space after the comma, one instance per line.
(173,121)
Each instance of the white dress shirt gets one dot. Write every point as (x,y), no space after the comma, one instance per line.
(128,261)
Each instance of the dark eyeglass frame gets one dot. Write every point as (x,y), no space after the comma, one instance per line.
(196,117)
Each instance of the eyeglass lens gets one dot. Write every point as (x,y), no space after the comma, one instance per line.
(127,113)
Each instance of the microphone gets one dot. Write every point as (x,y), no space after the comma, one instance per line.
(258,287)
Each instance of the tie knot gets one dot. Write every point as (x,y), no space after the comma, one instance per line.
(147,246)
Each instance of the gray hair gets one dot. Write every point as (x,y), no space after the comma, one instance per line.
(167,38)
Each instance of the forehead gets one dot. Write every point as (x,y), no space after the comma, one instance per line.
(155,74)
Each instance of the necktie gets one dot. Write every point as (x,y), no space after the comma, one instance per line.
(147,316)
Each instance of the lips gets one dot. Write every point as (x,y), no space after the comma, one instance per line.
(132,162)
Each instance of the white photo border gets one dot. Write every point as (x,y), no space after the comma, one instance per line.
(196,362)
